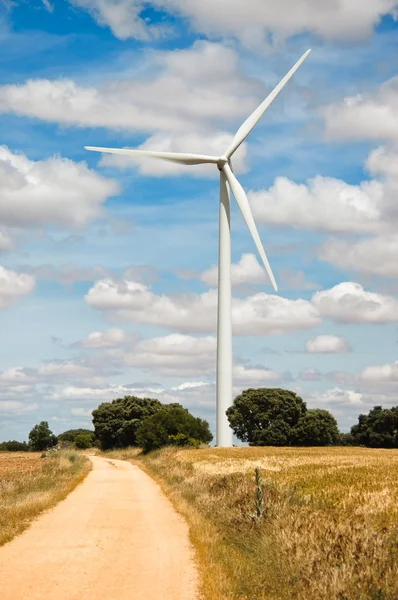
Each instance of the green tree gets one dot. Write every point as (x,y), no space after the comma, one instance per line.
(316,428)
(41,437)
(266,416)
(172,425)
(84,440)
(71,434)
(378,429)
(116,423)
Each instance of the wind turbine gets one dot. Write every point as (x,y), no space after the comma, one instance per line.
(227,180)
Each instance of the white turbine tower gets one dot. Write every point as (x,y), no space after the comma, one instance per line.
(227,178)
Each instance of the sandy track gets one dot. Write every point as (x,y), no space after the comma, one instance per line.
(116,537)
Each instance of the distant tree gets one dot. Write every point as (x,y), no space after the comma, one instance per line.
(316,428)
(116,423)
(71,434)
(346,439)
(172,425)
(41,437)
(84,440)
(266,416)
(378,429)
(13,446)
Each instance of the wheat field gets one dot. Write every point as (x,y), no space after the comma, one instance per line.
(329,528)
(30,484)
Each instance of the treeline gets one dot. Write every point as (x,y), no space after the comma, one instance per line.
(260,417)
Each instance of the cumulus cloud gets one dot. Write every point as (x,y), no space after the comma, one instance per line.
(323,203)
(55,190)
(253,22)
(256,315)
(380,374)
(190,89)
(110,338)
(13,286)
(253,376)
(310,375)
(337,396)
(247,270)
(295,280)
(6,241)
(348,302)
(327,344)
(175,354)
(371,116)
(121,16)
(377,255)
(13,407)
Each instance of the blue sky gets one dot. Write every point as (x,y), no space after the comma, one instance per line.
(107,266)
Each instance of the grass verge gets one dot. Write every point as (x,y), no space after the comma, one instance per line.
(30,484)
(329,527)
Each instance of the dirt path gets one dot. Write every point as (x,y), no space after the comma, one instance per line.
(116,537)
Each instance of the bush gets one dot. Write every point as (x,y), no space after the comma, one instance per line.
(84,440)
(172,425)
(71,434)
(14,446)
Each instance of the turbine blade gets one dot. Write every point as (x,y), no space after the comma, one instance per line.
(176,157)
(250,122)
(243,203)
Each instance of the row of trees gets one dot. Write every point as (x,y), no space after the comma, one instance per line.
(261,417)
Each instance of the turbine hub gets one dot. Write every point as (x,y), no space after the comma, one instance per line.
(223,160)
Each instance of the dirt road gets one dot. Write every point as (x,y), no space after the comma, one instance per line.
(116,537)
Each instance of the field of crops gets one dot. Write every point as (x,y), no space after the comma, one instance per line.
(30,484)
(15,464)
(328,526)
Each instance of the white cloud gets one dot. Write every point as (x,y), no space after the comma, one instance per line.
(13,286)
(55,190)
(348,302)
(66,274)
(255,376)
(6,242)
(192,89)
(15,376)
(247,270)
(80,412)
(337,396)
(174,354)
(121,16)
(380,374)
(310,375)
(256,315)
(295,280)
(377,255)
(252,22)
(365,116)
(383,161)
(323,203)
(327,344)
(16,408)
(105,339)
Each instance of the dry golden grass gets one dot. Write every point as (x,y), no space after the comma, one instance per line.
(330,525)
(30,484)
